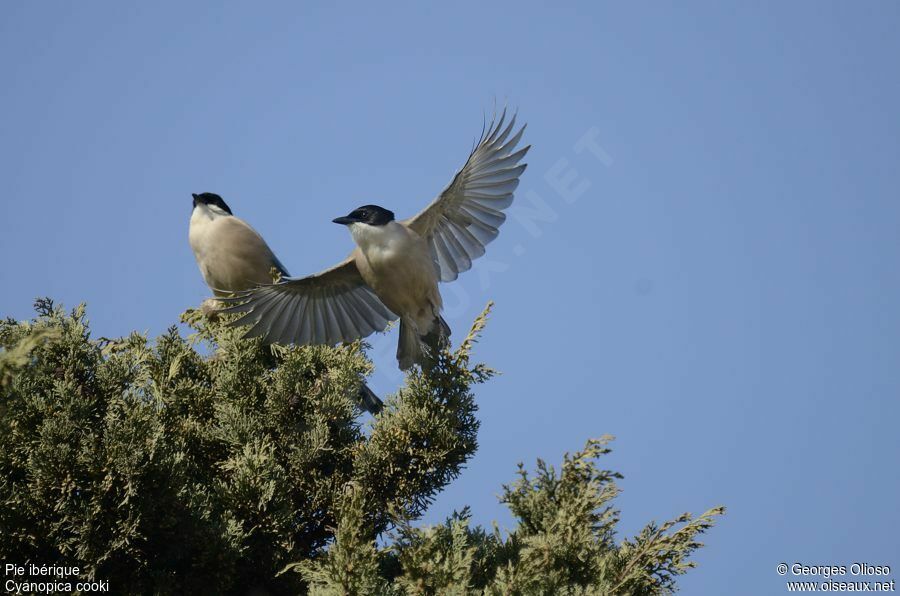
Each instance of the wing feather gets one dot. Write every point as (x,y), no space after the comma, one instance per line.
(290,322)
(276,308)
(467,215)
(346,325)
(331,322)
(332,306)
(280,319)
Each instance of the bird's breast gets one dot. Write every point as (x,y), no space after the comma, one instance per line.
(397,264)
(230,254)
(391,247)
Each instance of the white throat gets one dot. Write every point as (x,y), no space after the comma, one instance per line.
(378,238)
(205,213)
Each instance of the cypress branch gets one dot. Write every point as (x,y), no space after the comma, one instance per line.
(210,463)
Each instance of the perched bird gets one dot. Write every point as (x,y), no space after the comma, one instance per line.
(400,261)
(233,257)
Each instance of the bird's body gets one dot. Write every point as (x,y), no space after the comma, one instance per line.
(231,255)
(396,263)
(399,263)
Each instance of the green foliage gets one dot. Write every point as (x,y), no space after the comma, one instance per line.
(245,468)
(563,544)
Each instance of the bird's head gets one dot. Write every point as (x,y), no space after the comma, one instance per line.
(372,215)
(211,203)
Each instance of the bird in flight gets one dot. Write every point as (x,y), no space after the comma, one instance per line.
(396,264)
(233,257)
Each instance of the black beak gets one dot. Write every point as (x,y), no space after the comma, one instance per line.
(344,221)
(193,194)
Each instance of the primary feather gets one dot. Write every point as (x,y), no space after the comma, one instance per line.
(467,214)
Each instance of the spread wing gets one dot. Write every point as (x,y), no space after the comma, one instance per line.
(467,214)
(332,306)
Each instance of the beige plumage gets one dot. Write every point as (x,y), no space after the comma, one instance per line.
(397,263)
(231,255)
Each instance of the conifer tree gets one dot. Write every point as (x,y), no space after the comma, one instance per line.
(215,464)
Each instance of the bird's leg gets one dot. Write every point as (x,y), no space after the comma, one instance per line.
(210,309)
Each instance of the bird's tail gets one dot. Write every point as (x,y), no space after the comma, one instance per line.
(422,350)
(409,347)
(439,336)
(369,401)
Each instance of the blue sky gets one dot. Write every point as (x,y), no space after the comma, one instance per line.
(703,260)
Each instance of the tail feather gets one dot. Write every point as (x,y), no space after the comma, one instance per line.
(439,336)
(369,401)
(409,346)
(422,350)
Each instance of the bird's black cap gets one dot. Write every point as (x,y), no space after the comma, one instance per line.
(210,198)
(367,214)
